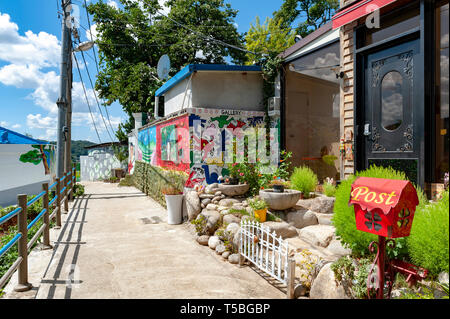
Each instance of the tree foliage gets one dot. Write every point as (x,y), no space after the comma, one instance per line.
(312,13)
(132,38)
(267,39)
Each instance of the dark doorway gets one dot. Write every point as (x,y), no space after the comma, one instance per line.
(392,122)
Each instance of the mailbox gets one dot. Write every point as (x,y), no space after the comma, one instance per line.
(384,207)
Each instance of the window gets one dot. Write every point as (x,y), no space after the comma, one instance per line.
(391,101)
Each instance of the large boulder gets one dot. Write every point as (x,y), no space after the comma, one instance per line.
(211,188)
(214,241)
(220,249)
(203,240)
(228,202)
(282,229)
(213,220)
(325,286)
(233,258)
(318,235)
(230,218)
(324,219)
(233,228)
(301,218)
(192,204)
(335,247)
(323,205)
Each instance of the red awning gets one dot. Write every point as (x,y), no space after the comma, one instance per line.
(358,10)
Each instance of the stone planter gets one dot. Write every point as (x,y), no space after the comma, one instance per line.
(280,201)
(234,190)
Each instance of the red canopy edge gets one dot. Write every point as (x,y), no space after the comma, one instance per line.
(391,192)
(356,11)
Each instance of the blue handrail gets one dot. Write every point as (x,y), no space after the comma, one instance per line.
(53,200)
(9,244)
(36,219)
(36,198)
(68,183)
(62,190)
(10,215)
(53,185)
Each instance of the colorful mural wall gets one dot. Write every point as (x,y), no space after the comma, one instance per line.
(195,142)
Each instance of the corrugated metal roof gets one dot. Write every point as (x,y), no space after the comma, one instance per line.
(191,68)
(11,137)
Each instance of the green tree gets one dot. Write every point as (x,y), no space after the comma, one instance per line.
(312,13)
(270,38)
(133,38)
(36,156)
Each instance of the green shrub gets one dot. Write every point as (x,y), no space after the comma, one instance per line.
(78,190)
(304,180)
(344,215)
(329,189)
(127,181)
(257,203)
(428,243)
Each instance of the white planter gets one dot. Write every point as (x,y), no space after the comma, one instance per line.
(174,209)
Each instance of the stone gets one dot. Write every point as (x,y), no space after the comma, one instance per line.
(211,206)
(218,193)
(226,254)
(220,249)
(221,208)
(306,203)
(203,196)
(325,287)
(318,235)
(228,202)
(233,228)
(192,204)
(335,247)
(211,188)
(234,190)
(443,277)
(280,201)
(236,239)
(397,293)
(300,290)
(323,205)
(233,258)
(324,219)
(230,218)
(222,196)
(203,240)
(206,201)
(282,229)
(302,218)
(238,207)
(216,199)
(213,220)
(202,205)
(213,242)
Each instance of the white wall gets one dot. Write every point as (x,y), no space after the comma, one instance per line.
(217,90)
(17,177)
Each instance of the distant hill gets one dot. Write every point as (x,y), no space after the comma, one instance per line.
(78,149)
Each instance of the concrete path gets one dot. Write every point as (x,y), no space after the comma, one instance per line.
(115,243)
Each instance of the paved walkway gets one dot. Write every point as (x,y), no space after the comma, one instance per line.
(115,243)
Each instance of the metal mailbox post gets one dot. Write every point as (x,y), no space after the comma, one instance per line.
(385,208)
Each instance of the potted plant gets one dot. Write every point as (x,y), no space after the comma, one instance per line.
(259,207)
(234,174)
(278,185)
(174,202)
(121,154)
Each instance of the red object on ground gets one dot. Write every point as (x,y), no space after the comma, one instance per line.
(358,10)
(412,272)
(384,207)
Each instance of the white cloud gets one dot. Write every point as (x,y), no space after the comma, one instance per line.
(92,32)
(113,4)
(9,126)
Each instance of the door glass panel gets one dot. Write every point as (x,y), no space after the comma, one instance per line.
(391,101)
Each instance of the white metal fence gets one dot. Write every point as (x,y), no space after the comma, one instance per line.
(267,252)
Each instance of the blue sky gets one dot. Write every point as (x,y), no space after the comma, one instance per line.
(30,34)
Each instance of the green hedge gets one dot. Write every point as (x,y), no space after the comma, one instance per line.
(151,180)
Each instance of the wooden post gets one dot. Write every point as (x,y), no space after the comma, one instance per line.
(46,233)
(58,203)
(291,279)
(66,200)
(22,272)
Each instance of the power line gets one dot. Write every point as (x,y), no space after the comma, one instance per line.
(96,61)
(95,95)
(87,100)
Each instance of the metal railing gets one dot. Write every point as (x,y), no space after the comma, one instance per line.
(63,192)
(267,252)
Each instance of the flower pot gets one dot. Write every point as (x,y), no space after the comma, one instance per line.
(233,181)
(278,188)
(174,209)
(260,214)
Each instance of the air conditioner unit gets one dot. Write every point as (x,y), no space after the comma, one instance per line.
(274,106)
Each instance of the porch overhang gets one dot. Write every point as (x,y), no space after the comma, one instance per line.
(358,10)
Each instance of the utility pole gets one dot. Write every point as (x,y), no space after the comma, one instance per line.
(68,144)
(63,88)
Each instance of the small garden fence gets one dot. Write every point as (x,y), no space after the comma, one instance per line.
(267,252)
(63,192)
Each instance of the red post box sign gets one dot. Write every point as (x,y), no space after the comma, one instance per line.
(384,207)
